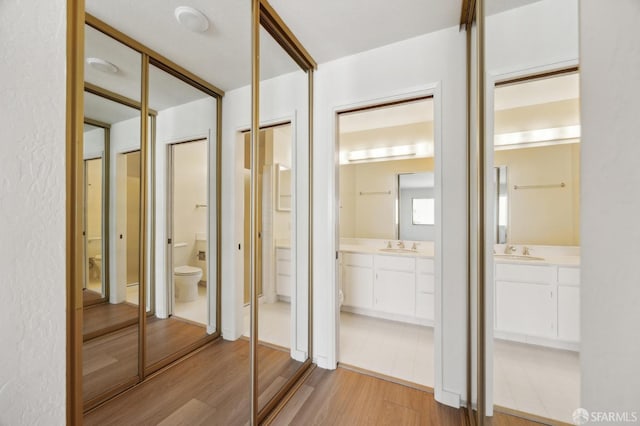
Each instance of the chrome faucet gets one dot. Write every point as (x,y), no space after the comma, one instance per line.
(509,249)
(388,244)
(526,251)
(401,244)
(414,246)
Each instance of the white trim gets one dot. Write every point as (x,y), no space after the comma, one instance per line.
(387,316)
(451,399)
(330,362)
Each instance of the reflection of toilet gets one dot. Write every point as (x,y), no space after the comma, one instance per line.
(95,265)
(186,283)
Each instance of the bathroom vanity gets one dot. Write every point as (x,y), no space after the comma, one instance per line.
(396,285)
(538,301)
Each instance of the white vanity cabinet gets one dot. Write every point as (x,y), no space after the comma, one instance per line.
(357,280)
(394,286)
(569,304)
(399,288)
(538,304)
(425,289)
(283,272)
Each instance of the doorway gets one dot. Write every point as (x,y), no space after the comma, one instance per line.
(188,230)
(387,228)
(274,234)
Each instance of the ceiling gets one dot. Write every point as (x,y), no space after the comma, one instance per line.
(222,55)
(391,116)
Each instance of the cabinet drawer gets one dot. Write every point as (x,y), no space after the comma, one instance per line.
(396,263)
(425,306)
(283,254)
(355,259)
(283,267)
(283,285)
(425,283)
(570,276)
(525,273)
(425,266)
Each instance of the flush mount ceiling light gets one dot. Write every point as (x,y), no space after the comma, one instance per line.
(102,65)
(192,19)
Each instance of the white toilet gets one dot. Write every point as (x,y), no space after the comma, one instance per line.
(186,279)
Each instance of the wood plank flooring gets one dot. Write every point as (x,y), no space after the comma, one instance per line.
(343,397)
(89,296)
(106,317)
(112,359)
(209,388)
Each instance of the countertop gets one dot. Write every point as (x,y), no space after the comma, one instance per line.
(429,253)
(352,248)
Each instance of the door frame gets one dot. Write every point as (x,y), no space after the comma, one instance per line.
(432,90)
(170,169)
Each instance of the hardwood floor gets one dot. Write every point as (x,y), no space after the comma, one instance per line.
(89,296)
(209,388)
(105,317)
(343,397)
(112,359)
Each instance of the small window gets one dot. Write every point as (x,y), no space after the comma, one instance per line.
(424,211)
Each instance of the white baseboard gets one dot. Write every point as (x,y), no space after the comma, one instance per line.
(451,399)
(323,362)
(300,356)
(211,329)
(535,340)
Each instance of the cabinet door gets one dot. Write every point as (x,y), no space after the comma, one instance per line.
(569,313)
(358,286)
(394,292)
(525,308)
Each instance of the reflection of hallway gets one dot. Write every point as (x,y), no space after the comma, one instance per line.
(395,349)
(112,359)
(275,323)
(211,387)
(537,380)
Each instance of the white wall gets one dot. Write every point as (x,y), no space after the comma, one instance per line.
(397,71)
(32,212)
(610,83)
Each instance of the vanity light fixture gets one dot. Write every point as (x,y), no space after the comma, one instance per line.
(422,149)
(102,65)
(191,19)
(568,134)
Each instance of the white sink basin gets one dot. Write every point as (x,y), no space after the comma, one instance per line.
(398,250)
(516,257)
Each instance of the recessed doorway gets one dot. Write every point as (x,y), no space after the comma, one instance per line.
(387,232)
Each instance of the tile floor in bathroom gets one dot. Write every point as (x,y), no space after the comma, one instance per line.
(528,378)
(537,380)
(195,311)
(274,323)
(395,349)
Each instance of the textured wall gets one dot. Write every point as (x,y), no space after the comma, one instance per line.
(32,212)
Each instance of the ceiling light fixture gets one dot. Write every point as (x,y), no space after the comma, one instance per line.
(192,19)
(538,136)
(102,65)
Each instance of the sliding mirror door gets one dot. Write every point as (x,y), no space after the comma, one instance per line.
(185,290)
(281,193)
(112,114)
(532,210)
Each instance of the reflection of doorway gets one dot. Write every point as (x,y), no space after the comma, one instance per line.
(93,219)
(533,346)
(274,252)
(387,234)
(188,230)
